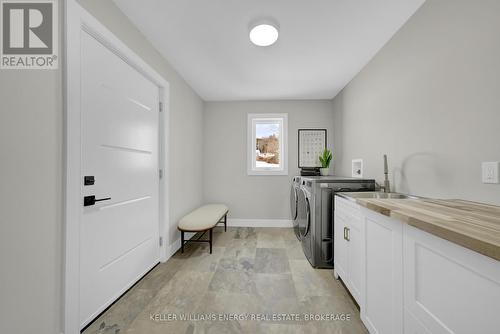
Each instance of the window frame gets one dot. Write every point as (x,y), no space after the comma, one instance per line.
(252,121)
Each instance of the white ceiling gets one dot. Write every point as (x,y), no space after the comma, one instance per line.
(323,44)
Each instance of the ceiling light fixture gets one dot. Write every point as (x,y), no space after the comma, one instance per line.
(264,33)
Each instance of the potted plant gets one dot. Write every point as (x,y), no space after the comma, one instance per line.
(325,158)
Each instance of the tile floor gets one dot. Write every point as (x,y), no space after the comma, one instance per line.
(252,271)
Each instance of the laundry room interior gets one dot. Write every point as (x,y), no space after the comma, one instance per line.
(265,166)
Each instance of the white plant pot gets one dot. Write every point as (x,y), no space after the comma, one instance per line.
(324,171)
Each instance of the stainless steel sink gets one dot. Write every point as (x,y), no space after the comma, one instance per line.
(375,195)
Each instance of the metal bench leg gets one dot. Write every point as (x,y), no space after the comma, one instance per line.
(182,241)
(210,233)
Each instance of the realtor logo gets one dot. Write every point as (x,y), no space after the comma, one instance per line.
(29,38)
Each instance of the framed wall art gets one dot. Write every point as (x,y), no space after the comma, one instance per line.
(312,142)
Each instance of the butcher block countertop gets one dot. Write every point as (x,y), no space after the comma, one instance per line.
(472,225)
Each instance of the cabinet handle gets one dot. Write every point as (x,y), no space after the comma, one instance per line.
(348,236)
(345,233)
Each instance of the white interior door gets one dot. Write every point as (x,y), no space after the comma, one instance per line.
(119,237)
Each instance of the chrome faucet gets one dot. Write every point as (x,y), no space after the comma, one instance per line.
(387,185)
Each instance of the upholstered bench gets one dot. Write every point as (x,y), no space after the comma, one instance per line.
(203,219)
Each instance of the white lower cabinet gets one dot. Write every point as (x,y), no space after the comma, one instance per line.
(409,281)
(383,275)
(412,325)
(355,258)
(348,246)
(449,288)
(340,252)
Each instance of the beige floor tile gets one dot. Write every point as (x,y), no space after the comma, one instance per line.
(272,287)
(272,238)
(313,282)
(241,248)
(228,302)
(202,260)
(181,293)
(144,325)
(232,281)
(288,234)
(120,315)
(294,250)
(271,328)
(238,278)
(271,261)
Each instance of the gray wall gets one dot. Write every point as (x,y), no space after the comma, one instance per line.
(225,156)
(30,200)
(430,100)
(31,127)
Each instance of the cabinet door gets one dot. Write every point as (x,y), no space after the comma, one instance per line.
(355,257)
(383,295)
(449,288)
(340,245)
(412,325)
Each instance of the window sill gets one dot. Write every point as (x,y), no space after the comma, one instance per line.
(264,172)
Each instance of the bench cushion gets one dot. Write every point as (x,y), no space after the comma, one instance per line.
(203,218)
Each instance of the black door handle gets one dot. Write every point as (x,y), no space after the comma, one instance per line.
(91,200)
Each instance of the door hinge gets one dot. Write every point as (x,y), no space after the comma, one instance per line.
(161,106)
(161,241)
(160,173)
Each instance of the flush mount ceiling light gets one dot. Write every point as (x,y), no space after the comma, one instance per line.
(264,33)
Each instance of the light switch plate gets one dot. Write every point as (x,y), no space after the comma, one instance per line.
(490,172)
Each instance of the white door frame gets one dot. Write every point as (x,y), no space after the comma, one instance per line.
(76,21)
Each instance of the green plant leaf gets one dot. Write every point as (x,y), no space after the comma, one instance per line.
(325,158)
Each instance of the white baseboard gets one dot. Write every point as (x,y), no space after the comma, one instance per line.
(176,245)
(284,223)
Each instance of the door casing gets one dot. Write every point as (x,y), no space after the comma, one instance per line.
(77,19)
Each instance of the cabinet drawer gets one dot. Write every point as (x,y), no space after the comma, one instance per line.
(345,204)
(349,211)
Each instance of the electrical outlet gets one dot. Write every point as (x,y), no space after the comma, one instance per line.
(357,168)
(490,172)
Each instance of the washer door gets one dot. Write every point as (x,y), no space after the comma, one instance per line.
(308,218)
(305,228)
(294,206)
(301,212)
(293,202)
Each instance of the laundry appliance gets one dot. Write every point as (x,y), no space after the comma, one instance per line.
(315,214)
(294,193)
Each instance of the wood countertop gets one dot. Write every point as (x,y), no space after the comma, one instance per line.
(472,225)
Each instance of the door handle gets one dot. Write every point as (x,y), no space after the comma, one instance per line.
(345,231)
(91,200)
(348,230)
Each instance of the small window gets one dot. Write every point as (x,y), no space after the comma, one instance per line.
(267,144)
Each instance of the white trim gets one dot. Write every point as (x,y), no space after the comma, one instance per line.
(77,19)
(283,141)
(283,223)
(174,247)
